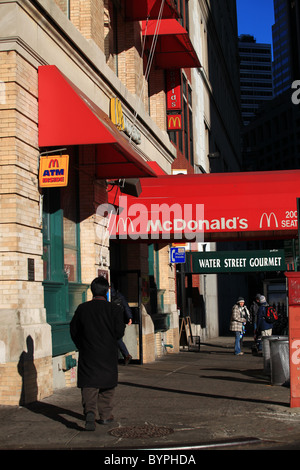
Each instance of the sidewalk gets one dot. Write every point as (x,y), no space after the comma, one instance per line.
(206,400)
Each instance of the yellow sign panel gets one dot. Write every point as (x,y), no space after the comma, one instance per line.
(116,113)
(54,171)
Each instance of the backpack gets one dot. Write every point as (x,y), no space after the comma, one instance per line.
(271,314)
(116,299)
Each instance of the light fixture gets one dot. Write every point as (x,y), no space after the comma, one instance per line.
(130,186)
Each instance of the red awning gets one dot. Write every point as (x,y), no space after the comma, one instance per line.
(68,117)
(174,49)
(157,168)
(211,207)
(137,10)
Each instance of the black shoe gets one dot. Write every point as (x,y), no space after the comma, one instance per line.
(106,421)
(90,421)
(127,359)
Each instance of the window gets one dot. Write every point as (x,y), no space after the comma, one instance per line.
(61,234)
(70,234)
(63,290)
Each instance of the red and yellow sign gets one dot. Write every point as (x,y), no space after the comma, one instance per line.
(173,90)
(54,171)
(174,122)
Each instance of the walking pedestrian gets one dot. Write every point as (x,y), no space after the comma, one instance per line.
(119,299)
(264,328)
(239,317)
(253,319)
(95,329)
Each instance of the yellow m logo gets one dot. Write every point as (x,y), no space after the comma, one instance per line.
(174,122)
(116,113)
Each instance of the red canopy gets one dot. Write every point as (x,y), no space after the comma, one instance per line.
(142,9)
(174,49)
(68,117)
(211,207)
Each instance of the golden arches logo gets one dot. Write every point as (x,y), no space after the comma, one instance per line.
(54,163)
(174,122)
(116,113)
(268,219)
(126,224)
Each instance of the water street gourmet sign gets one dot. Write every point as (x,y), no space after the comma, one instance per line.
(235,261)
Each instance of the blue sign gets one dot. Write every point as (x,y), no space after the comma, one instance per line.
(177,254)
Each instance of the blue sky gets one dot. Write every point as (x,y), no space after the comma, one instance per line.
(256,17)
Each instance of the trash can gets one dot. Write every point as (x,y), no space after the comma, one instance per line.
(279,360)
(267,352)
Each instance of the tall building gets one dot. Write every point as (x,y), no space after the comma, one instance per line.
(217,126)
(78,99)
(272,140)
(286,44)
(255,75)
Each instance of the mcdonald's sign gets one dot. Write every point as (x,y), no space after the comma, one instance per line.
(116,113)
(174,122)
(122,122)
(173,90)
(54,171)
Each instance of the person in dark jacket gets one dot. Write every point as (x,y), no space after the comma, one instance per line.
(119,299)
(95,328)
(253,319)
(263,327)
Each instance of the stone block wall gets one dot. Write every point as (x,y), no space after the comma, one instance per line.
(25,337)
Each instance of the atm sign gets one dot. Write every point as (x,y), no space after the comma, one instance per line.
(54,171)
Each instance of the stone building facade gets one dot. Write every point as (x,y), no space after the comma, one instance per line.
(38,296)
(56,55)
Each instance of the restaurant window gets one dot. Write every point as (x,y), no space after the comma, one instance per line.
(115,39)
(61,233)
(63,290)
(182,7)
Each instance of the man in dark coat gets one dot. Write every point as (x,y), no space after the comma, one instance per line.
(95,329)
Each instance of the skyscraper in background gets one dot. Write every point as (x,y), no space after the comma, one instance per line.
(271,141)
(286,42)
(255,75)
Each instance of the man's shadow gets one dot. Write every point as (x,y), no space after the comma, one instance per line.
(27,371)
(29,392)
(56,414)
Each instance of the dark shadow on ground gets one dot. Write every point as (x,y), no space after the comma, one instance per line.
(56,413)
(205,395)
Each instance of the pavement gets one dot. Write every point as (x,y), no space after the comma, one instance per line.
(182,403)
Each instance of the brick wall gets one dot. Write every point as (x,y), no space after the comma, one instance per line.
(95,21)
(87,17)
(22,314)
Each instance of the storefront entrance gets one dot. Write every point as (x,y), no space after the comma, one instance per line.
(63,290)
